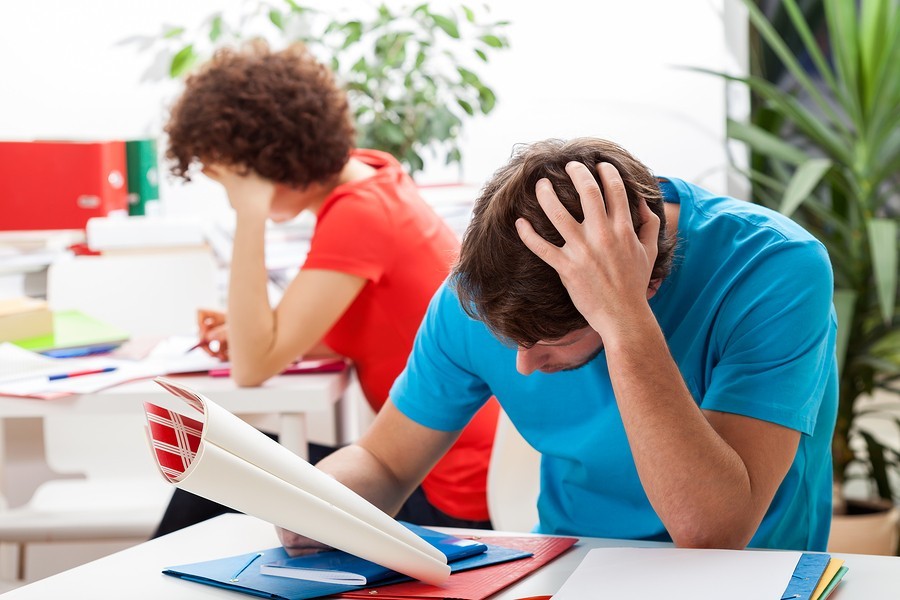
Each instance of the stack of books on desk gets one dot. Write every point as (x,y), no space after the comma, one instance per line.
(682,573)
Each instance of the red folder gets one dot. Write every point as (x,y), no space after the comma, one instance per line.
(60,185)
(477,584)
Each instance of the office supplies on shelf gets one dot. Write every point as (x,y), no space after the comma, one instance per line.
(224,459)
(23,317)
(75,330)
(60,184)
(315,365)
(251,573)
(143,177)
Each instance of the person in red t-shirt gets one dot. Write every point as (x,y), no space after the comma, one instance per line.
(274,130)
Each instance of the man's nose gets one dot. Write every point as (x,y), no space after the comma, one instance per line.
(529,360)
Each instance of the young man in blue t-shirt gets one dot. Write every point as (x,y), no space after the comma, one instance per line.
(668,351)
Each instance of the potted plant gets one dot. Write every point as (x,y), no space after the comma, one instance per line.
(409,72)
(826,152)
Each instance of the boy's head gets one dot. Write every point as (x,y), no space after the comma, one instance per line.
(499,280)
(279,114)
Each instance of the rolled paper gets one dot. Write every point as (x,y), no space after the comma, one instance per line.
(225,460)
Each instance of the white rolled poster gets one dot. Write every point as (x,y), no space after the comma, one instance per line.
(222,458)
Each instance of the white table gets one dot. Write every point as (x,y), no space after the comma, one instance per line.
(136,573)
(291,397)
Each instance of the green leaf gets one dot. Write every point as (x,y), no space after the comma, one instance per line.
(215,28)
(486,99)
(764,142)
(784,53)
(277,18)
(883,246)
(468,76)
(480,54)
(470,14)
(804,181)
(182,62)
(173,32)
(492,40)
(447,24)
(466,107)
(844,307)
(877,465)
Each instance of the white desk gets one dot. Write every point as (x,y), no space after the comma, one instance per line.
(136,573)
(291,397)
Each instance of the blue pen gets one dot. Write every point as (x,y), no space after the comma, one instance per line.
(80,373)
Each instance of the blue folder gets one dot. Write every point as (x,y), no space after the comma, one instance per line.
(806,576)
(242,573)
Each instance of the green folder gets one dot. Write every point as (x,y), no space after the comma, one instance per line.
(72,329)
(143,177)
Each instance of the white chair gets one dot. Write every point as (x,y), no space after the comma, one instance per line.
(513,481)
(113,493)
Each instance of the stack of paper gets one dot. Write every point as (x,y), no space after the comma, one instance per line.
(691,574)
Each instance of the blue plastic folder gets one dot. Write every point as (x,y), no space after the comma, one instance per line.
(243,573)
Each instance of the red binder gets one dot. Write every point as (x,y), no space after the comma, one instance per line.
(60,184)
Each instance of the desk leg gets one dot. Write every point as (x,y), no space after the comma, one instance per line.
(293,434)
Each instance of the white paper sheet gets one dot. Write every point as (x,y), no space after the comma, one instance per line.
(680,574)
(238,466)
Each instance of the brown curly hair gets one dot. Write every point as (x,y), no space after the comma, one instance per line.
(279,114)
(500,281)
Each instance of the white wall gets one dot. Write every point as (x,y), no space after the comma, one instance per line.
(604,68)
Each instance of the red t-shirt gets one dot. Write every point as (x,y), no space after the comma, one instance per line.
(380,229)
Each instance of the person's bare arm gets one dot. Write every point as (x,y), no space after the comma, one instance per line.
(384,467)
(263,340)
(709,476)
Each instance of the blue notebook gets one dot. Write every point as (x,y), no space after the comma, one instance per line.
(244,574)
(806,576)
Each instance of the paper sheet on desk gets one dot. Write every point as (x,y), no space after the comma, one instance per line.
(680,574)
(25,372)
(224,459)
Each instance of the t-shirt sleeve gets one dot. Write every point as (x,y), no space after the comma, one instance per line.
(775,337)
(439,387)
(353,236)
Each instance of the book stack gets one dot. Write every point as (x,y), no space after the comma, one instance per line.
(22,318)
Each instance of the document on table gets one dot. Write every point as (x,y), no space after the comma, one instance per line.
(680,574)
(29,375)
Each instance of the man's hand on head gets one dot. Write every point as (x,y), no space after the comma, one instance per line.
(603,264)
(248,193)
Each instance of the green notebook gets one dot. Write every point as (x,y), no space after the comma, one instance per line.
(72,329)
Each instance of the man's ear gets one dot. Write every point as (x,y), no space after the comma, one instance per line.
(653,287)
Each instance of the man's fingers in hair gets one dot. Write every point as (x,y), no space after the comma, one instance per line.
(544,250)
(649,231)
(616,196)
(561,218)
(592,201)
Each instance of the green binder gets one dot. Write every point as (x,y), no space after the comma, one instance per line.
(143,176)
(72,329)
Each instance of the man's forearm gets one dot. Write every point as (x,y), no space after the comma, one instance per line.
(696,482)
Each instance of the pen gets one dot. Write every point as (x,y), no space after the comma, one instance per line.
(234,578)
(80,373)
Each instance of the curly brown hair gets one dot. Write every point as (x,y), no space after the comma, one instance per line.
(279,114)
(504,284)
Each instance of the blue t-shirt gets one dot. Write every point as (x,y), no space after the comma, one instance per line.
(747,314)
